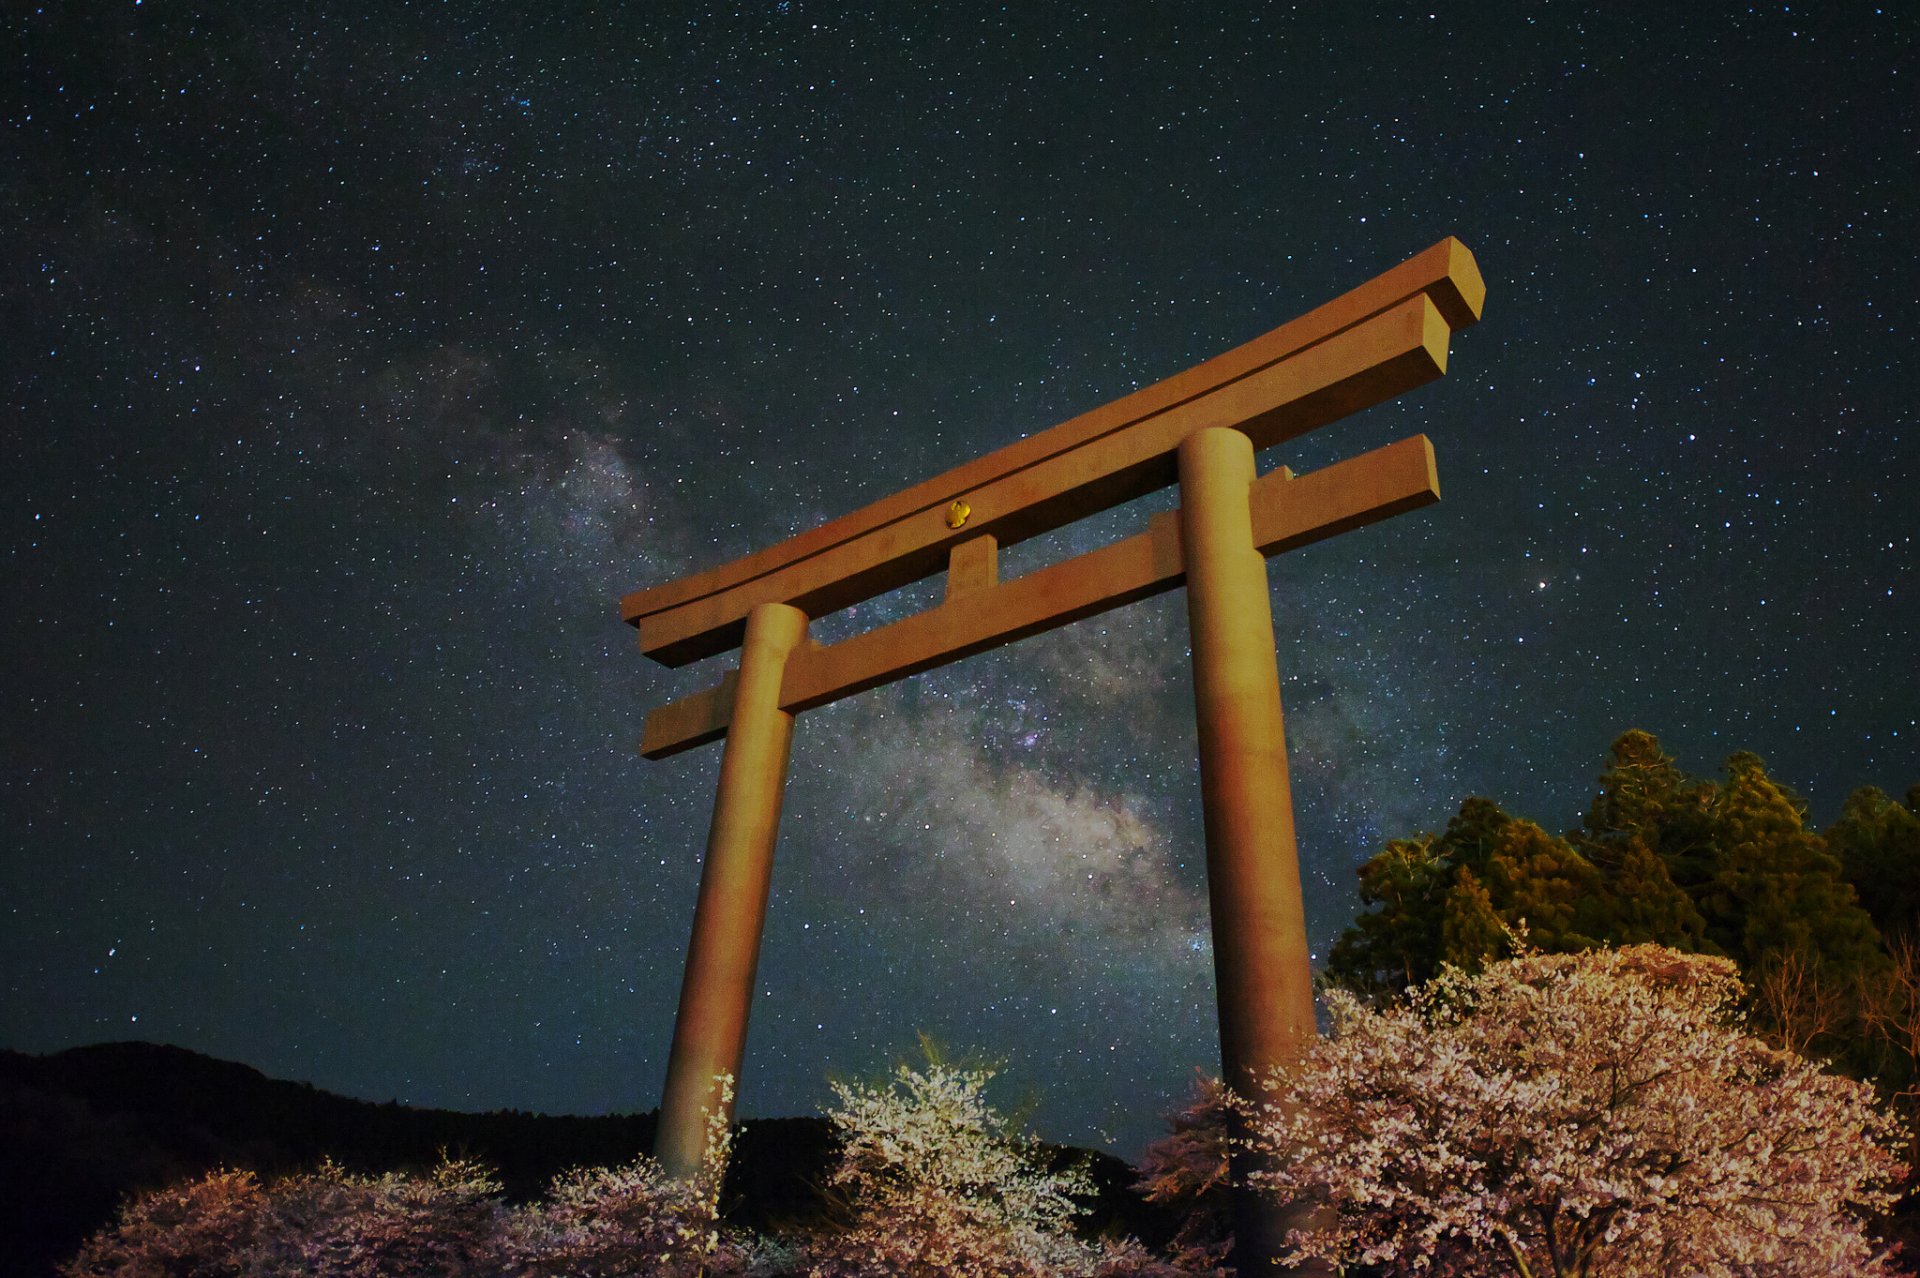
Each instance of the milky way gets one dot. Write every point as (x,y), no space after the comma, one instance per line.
(357,364)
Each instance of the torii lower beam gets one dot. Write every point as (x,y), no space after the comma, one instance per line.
(1199,429)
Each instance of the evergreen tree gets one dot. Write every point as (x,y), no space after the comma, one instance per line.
(1476,832)
(1668,859)
(1396,941)
(1416,913)
(1638,787)
(1472,933)
(1538,880)
(1642,904)
(1645,796)
(1461,897)
(1776,888)
(1778,903)
(1878,844)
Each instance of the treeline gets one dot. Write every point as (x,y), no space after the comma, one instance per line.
(83,1130)
(923,1177)
(1824,924)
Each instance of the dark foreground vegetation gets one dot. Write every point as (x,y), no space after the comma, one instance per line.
(81,1130)
(1685,1030)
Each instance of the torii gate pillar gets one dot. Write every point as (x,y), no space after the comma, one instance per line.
(1262,971)
(710,1032)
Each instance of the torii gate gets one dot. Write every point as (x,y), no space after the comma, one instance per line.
(1199,429)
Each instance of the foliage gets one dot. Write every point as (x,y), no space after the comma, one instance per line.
(1598,1113)
(635,1221)
(450,1223)
(1187,1170)
(1650,833)
(936,1183)
(338,1224)
(1878,843)
(1638,900)
(1460,897)
(1397,940)
(201,1229)
(326,1222)
(1644,796)
(1726,867)
(1775,888)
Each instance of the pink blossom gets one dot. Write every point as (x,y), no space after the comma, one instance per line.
(1600,1113)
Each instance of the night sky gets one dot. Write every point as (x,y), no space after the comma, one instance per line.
(358,359)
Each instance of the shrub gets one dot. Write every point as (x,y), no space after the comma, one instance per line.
(935,1184)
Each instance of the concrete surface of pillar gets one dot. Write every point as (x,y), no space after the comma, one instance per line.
(710,1031)
(1261,964)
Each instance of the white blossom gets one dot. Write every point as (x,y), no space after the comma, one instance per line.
(935,1185)
(1593,1114)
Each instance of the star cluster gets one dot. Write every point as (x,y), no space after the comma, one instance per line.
(357,361)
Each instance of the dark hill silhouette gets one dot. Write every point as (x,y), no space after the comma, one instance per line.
(82,1129)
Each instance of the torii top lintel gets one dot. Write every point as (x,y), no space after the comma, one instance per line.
(1377,341)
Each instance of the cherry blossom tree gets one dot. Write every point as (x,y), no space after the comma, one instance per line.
(1599,1113)
(444,1224)
(936,1184)
(448,1223)
(636,1221)
(199,1229)
(326,1222)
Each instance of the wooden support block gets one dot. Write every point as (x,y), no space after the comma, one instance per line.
(973,566)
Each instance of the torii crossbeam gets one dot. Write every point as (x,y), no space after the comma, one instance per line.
(1198,429)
